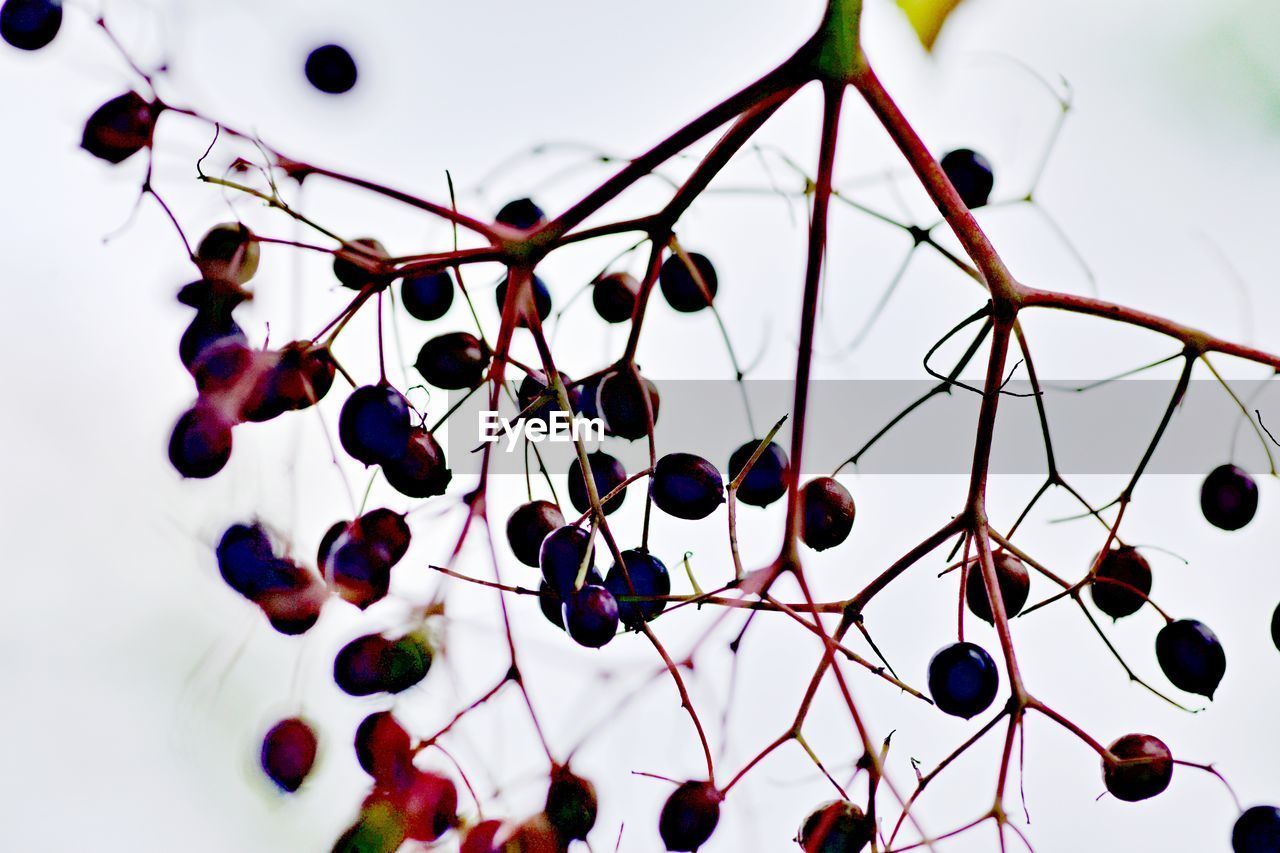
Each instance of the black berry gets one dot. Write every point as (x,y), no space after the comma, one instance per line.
(620,400)
(561,557)
(331,69)
(571,805)
(591,616)
(456,361)
(1015,586)
(1142,768)
(228,253)
(357,562)
(689,816)
(1191,656)
(607,473)
(767,479)
(1229,498)
(354,270)
(209,329)
(551,604)
(522,214)
(120,128)
(541,299)
(374,424)
(686,486)
(645,576)
(30,24)
(681,289)
(971,174)
(1257,830)
(614,296)
(963,680)
(835,827)
(200,446)
(826,513)
(427,297)
(422,471)
(288,753)
(528,525)
(1122,583)
(374,664)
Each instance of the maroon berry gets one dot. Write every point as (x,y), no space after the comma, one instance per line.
(528,525)
(591,616)
(835,827)
(571,805)
(1141,769)
(120,128)
(482,838)
(614,296)
(621,403)
(289,753)
(374,664)
(356,270)
(384,749)
(689,816)
(826,513)
(422,472)
(1015,586)
(607,473)
(357,562)
(228,253)
(456,361)
(1122,583)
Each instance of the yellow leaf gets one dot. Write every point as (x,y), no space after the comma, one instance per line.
(927,17)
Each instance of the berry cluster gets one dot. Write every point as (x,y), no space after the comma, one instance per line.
(238,383)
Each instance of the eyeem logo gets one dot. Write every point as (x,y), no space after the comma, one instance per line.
(560,426)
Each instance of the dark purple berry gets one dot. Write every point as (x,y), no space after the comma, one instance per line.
(766,482)
(591,616)
(551,604)
(374,425)
(681,289)
(456,361)
(607,473)
(1257,830)
(427,297)
(1141,769)
(621,403)
(614,296)
(645,576)
(534,388)
(120,128)
(331,69)
(541,299)
(30,24)
(429,804)
(301,376)
(216,297)
(689,816)
(384,749)
(836,827)
(356,270)
(571,805)
(1229,498)
(228,253)
(422,472)
(522,214)
(1191,656)
(1122,583)
(686,486)
(1015,586)
(357,562)
(248,563)
(200,446)
(209,329)
(289,753)
(374,664)
(561,557)
(972,176)
(963,680)
(528,525)
(1275,627)
(826,513)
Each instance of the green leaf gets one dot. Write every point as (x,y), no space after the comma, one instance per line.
(927,17)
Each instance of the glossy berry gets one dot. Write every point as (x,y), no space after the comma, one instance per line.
(689,816)
(30,24)
(482,838)
(963,680)
(686,486)
(374,424)
(620,401)
(591,616)
(355,270)
(607,473)
(200,445)
(289,753)
(681,289)
(1142,769)
(228,252)
(208,329)
(296,610)
(374,664)
(1257,830)
(614,296)
(383,748)
(522,214)
(538,401)
(1122,583)
(331,69)
(456,361)
(1275,627)
(120,128)
(1015,586)
(836,827)
(766,482)
(427,297)
(301,377)
(571,805)
(422,471)
(356,560)
(1229,498)
(1191,656)
(646,576)
(248,563)
(826,513)
(561,556)
(528,525)
(429,804)
(541,299)
(972,176)
(551,605)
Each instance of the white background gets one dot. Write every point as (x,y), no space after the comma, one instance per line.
(137,686)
